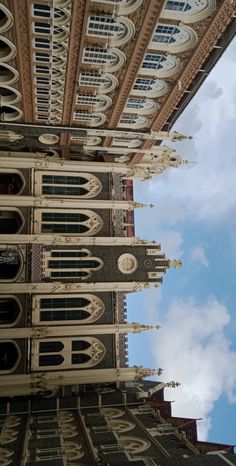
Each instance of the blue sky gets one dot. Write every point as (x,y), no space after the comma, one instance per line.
(194,219)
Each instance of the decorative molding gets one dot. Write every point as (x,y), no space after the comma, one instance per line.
(135,60)
(23,45)
(78,19)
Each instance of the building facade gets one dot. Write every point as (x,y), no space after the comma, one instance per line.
(89,91)
(104,424)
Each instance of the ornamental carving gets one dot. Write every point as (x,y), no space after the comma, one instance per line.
(127,263)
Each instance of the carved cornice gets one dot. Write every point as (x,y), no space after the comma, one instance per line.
(213,33)
(78,18)
(24,47)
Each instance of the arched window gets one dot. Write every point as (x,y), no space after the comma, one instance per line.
(112,413)
(135,121)
(133,445)
(10,311)
(9,95)
(189,11)
(67,309)
(97,102)
(11,221)
(69,185)
(10,264)
(124,142)
(8,74)
(10,113)
(6,19)
(71,264)
(140,105)
(123,7)
(118,30)
(89,119)
(5,456)
(159,65)
(7,49)
(70,451)
(149,87)
(80,222)
(173,38)
(110,59)
(44,11)
(9,356)
(105,82)
(120,425)
(67,353)
(11,182)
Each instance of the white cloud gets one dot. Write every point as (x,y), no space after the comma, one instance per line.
(198,254)
(192,348)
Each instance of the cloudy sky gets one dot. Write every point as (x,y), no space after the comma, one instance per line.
(195,219)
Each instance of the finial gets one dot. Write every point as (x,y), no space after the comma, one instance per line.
(172,384)
(138,205)
(180,137)
(143,372)
(141,327)
(175,263)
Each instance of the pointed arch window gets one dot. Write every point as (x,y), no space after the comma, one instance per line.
(10,264)
(133,445)
(67,309)
(10,311)
(11,221)
(70,451)
(67,353)
(71,264)
(73,222)
(9,356)
(11,182)
(69,185)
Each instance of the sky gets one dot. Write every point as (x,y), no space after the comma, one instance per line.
(194,219)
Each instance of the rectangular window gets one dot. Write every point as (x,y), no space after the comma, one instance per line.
(93,80)
(177,6)
(142,84)
(42,28)
(103,26)
(95,56)
(153,62)
(41,10)
(41,43)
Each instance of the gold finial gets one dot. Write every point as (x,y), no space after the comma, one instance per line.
(175,263)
